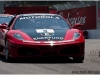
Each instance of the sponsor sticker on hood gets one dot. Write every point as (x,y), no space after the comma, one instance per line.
(45,32)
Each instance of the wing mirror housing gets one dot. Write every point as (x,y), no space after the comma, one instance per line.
(3,26)
(77,26)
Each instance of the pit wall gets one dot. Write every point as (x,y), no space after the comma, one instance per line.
(93,34)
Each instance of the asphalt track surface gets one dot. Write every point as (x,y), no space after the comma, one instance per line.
(91,64)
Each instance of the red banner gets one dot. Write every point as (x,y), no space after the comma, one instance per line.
(24,10)
(53,11)
(85,15)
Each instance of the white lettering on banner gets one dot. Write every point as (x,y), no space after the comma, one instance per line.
(61,13)
(79,19)
(75,20)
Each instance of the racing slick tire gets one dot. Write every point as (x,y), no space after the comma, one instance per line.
(7,52)
(78,59)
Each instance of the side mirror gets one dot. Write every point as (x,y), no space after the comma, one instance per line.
(3,26)
(77,26)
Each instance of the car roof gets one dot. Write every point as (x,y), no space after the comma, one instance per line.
(6,15)
(37,14)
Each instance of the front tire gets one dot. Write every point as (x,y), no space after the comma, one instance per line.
(78,59)
(7,52)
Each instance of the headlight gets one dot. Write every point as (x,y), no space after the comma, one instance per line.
(76,35)
(17,36)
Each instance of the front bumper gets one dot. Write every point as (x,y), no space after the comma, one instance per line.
(68,49)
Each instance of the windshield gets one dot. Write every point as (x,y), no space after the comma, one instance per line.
(41,22)
(5,19)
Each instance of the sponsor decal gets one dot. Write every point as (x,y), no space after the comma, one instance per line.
(38,16)
(45,32)
(31,41)
(48,38)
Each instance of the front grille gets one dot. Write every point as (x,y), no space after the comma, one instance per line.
(50,53)
(70,50)
(49,48)
(28,51)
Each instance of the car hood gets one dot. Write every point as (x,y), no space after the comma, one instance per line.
(46,34)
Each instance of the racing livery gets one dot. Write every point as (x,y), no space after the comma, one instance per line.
(34,35)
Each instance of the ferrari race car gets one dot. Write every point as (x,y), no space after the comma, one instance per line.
(5,18)
(34,35)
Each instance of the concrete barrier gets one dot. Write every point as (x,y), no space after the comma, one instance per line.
(93,34)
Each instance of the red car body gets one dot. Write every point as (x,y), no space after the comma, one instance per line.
(67,42)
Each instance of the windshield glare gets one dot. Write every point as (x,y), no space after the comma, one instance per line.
(41,22)
(5,20)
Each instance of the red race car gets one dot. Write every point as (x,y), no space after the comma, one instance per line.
(34,35)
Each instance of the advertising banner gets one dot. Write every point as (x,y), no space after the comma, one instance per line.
(85,15)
